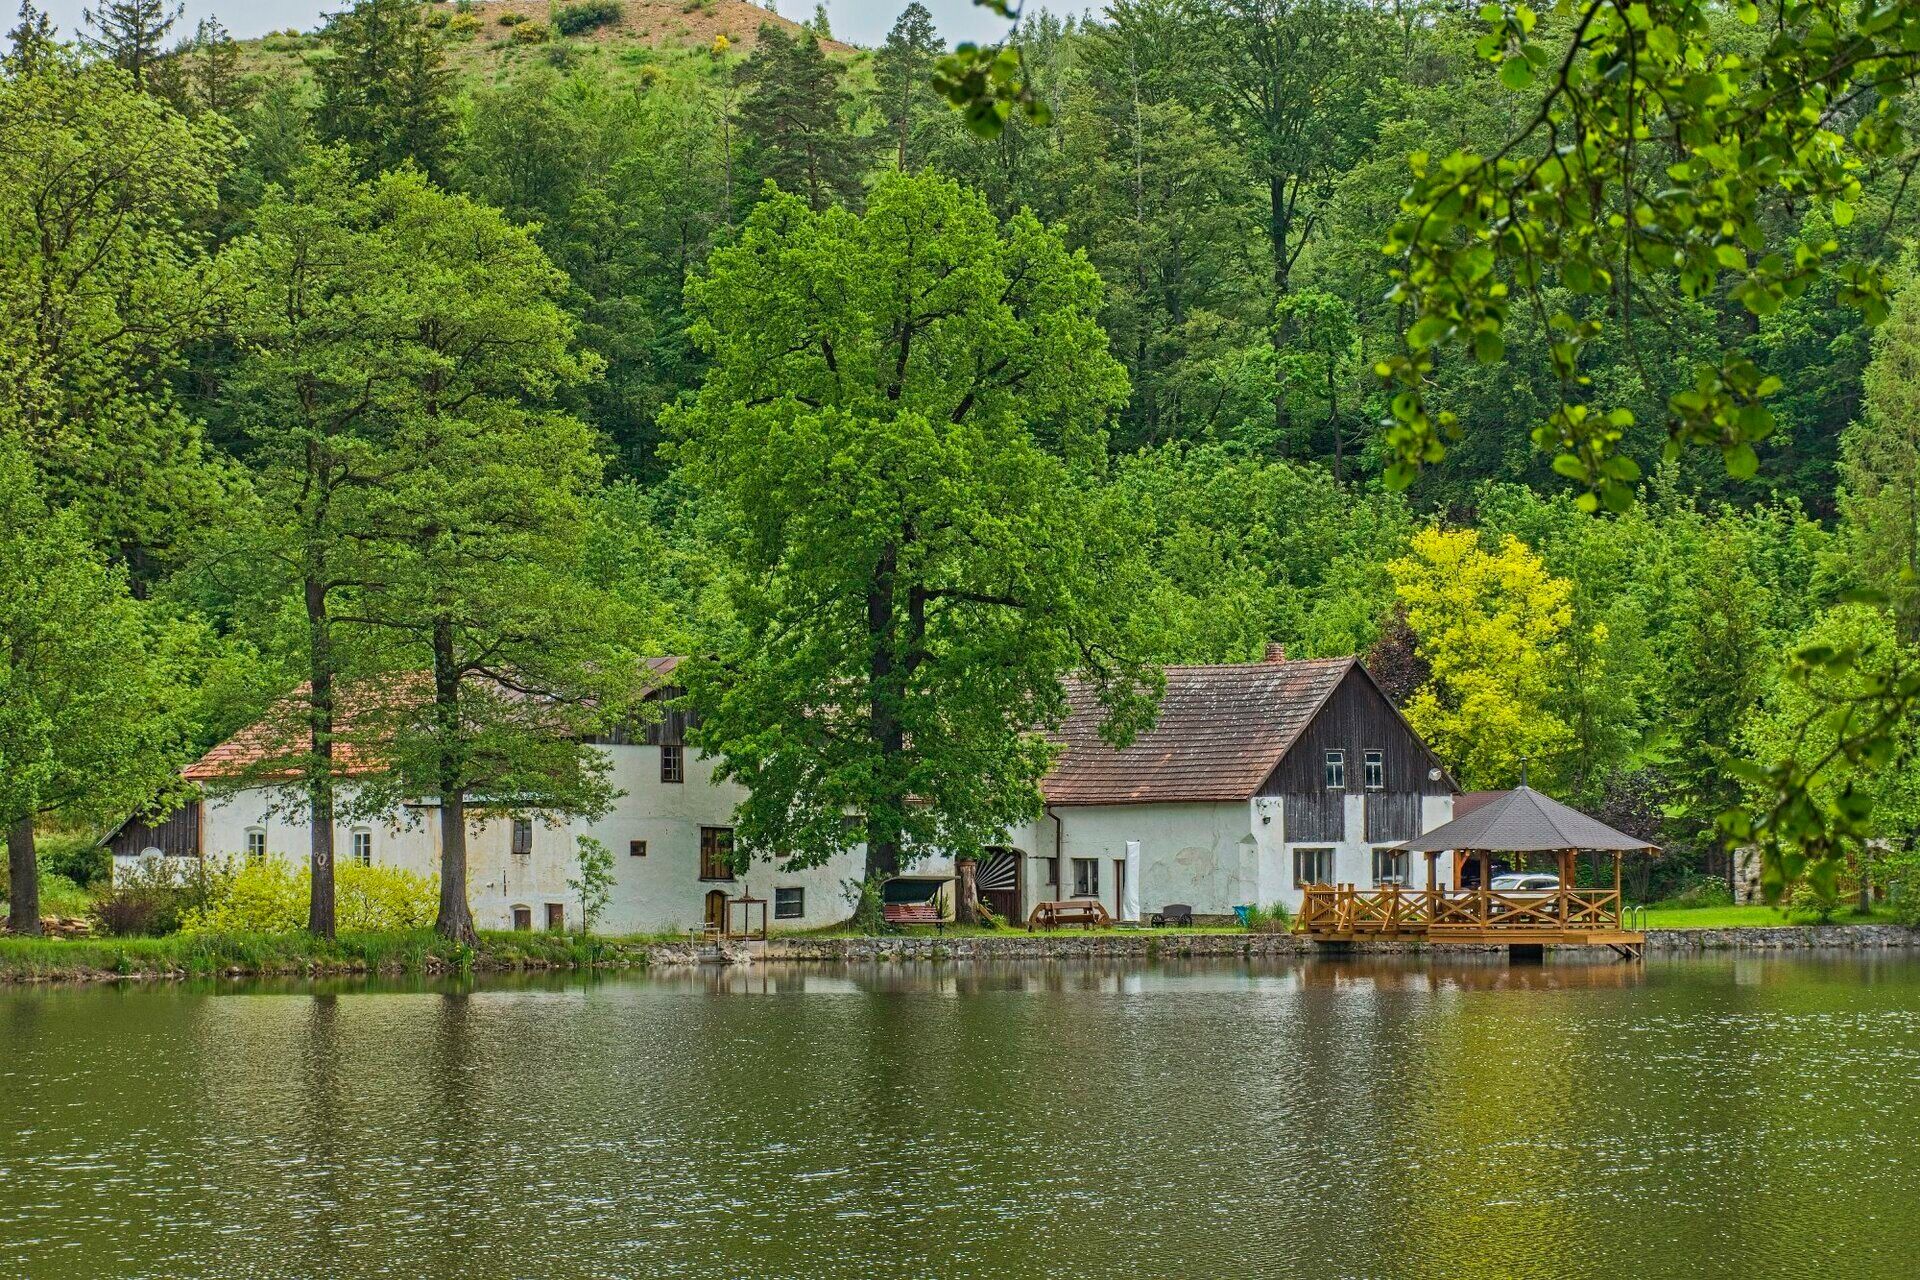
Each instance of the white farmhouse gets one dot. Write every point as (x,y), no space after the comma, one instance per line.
(1257,779)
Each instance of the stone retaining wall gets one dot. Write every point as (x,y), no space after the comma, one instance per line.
(1149,945)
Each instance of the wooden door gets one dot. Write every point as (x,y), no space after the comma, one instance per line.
(556,916)
(523,919)
(717,909)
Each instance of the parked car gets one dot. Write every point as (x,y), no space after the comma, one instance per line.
(1527,887)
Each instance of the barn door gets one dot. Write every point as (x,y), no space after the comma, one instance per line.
(996,878)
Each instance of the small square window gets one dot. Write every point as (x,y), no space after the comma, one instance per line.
(522,835)
(789,904)
(1086,877)
(636,848)
(1312,866)
(1390,866)
(362,848)
(1375,764)
(673,764)
(256,843)
(1336,771)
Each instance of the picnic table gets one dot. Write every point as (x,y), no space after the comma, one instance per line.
(1085,912)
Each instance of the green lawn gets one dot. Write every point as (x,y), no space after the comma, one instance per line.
(1748,917)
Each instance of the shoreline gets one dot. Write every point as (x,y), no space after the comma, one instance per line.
(161,960)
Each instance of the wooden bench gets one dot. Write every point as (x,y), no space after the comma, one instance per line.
(903,913)
(1085,912)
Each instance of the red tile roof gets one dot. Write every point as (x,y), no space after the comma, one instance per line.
(265,745)
(1221,731)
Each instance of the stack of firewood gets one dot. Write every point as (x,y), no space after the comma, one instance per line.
(59,927)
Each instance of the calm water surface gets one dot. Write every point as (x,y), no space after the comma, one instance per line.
(1736,1117)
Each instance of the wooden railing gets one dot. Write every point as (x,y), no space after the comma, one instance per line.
(1390,909)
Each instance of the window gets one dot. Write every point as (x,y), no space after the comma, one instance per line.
(362,848)
(1390,866)
(556,917)
(522,835)
(716,853)
(1376,767)
(256,843)
(636,848)
(1053,872)
(673,764)
(1336,771)
(789,904)
(523,919)
(1312,866)
(1086,877)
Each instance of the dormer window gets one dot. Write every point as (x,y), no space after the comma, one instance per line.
(1336,771)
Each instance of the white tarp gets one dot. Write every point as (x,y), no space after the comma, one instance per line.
(1130,892)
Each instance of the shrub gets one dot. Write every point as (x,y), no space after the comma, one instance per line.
(512,19)
(1807,901)
(572,19)
(1900,873)
(530,33)
(1269,919)
(80,859)
(463,24)
(270,896)
(151,899)
(869,910)
(1707,891)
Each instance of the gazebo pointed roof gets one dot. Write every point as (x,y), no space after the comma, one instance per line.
(1524,821)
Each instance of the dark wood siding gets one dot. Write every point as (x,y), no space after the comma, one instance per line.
(666,727)
(1392,816)
(177,835)
(1356,719)
(1313,816)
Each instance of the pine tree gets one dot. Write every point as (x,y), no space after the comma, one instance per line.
(794,119)
(386,91)
(129,33)
(30,43)
(902,70)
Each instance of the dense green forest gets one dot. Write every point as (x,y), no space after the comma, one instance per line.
(373,365)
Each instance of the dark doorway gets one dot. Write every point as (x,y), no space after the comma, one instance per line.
(716,909)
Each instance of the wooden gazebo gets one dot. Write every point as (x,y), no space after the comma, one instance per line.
(1517,822)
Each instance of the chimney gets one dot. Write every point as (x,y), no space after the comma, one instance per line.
(1276,653)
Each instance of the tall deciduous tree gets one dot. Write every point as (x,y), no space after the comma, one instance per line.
(914,571)
(89,718)
(900,74)
(504,662)
(131,34)
(102,287)
(1491,628)
(329,340)
(794,118)
(1880,468)
(385,88)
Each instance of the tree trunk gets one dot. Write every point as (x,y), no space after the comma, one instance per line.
(884,692)
(1278,229)
(456,916)
(967,909)
(23,876)
(320,897)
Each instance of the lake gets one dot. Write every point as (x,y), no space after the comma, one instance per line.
(1390,1118)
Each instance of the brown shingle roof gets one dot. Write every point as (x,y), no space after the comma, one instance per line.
(1221,731)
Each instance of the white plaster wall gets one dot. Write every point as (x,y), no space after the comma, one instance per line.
(1205,854)
(1353,857)
(659,892)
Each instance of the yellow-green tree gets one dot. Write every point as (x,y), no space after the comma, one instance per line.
(1492,627)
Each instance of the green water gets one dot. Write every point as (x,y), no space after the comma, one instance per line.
(1735,1117)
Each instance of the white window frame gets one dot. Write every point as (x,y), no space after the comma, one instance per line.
(1398,858)
(1316,852)
(360,846)
(1086,886)
(1334,770)
(256,844)
(1373,766)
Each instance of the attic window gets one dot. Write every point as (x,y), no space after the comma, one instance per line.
(1336,771)
(1376,770)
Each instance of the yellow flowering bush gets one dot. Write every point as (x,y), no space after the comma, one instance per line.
(270,896)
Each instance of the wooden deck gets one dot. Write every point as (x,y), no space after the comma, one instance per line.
(1562,918)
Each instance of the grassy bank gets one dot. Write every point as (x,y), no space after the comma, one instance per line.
(213,955)
(1753,916)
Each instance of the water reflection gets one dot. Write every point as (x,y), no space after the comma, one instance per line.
(1352,1117)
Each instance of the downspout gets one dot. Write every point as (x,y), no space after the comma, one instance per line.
(1058,870)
